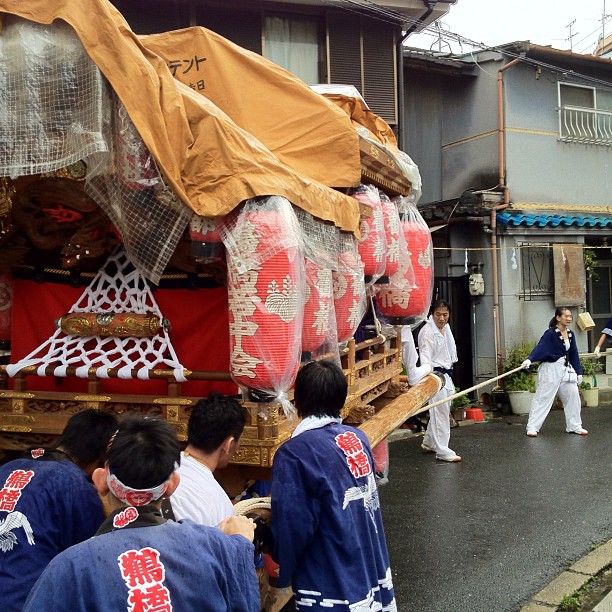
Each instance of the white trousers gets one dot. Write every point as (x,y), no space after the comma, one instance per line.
(437,435)
(550,383)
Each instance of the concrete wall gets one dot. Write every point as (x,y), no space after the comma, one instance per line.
(540,167)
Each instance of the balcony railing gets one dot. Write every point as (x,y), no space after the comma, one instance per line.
(585,125)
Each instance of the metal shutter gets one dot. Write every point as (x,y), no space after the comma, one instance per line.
(379,70)
(344,36)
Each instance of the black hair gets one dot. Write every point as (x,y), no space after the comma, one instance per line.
(558,313)
(86,436)
(144,452)
(214,419)
(320,389)
(440,304)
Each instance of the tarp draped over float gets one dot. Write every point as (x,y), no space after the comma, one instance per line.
(211,163)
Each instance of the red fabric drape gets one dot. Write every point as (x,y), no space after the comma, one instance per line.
(200,335)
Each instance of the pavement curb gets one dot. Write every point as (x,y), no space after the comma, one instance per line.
(574,578)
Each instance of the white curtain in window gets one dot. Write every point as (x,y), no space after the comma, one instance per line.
(293,44)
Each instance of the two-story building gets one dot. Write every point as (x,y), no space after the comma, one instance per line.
(514,146)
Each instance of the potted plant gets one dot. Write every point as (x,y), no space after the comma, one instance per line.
(590,394)
(459,406)
(588,386)
(521,385)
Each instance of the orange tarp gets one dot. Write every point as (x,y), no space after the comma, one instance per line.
(301,127)
(209,161)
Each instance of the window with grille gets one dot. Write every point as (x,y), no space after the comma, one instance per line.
(584,115)
(536,272)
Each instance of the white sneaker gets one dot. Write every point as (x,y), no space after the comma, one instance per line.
(532,434)
(427,449)
(580,431)
(449,458)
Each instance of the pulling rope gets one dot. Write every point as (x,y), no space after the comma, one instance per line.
(450,398)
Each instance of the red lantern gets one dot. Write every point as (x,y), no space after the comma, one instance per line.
(372,245)
(392,229)
(418,238)
(6,305)
(265,306)
(408,294)
(349,294)
(317,305)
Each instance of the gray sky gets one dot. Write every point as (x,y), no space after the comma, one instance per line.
(543,22)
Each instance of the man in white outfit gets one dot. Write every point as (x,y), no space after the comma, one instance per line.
(437,348)
(213,436)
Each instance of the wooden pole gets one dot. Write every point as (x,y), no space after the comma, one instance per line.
(379,426)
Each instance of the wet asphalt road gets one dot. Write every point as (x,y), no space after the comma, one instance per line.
(489,532)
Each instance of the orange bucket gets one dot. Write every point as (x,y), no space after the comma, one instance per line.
(475,414)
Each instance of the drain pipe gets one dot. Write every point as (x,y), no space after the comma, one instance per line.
(502,184)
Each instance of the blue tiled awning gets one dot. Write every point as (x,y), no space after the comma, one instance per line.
(532,220)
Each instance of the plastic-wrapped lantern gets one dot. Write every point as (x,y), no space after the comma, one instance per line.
(418,238)
(265,304)
(6,305)
(349,293)
(317,305)
(372,245)
(391,220)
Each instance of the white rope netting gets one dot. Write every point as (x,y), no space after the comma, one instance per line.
(117,288)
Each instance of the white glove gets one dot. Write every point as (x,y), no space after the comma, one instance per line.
(596,351)
(579,380)
(525,364)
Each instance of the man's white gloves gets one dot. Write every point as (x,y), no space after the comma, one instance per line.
(579,380)
(596,351)
(525,364)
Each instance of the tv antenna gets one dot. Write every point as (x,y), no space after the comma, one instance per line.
(571,34)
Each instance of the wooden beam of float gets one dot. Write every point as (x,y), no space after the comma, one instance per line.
(379,426)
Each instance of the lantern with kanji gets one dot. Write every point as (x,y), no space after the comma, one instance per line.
(372,245)
(407,297)
(392,230)
(349,290)
(318,303)
(265,289)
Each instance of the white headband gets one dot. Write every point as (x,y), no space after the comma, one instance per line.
(134,497)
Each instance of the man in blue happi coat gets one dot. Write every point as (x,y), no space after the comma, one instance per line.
(140,561)
(48,503)
(326,519)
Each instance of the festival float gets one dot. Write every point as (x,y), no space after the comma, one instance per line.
(167,232)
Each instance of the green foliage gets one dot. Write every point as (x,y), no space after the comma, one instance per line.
(570,603)
(460,402)
(585,386)
(524,379)
(521,381)
(590,367)
(590,263)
